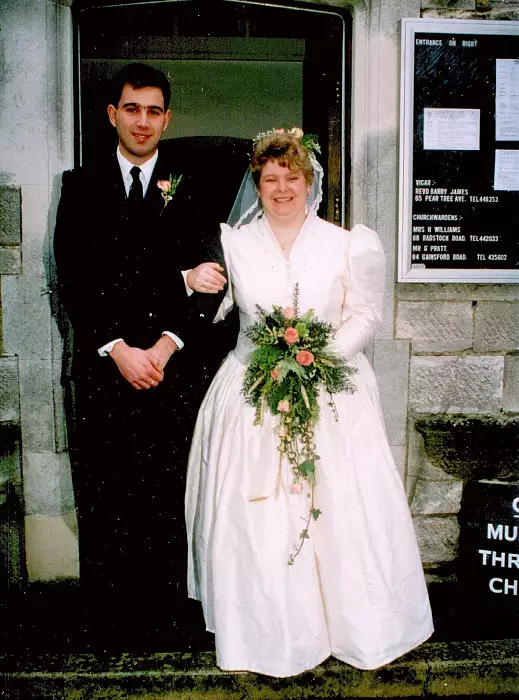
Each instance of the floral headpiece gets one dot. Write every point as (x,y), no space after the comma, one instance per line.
(309,141)
(247,206)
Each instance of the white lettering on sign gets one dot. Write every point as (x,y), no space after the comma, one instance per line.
(503,559)
(500,585)
(428,42)
(496,532)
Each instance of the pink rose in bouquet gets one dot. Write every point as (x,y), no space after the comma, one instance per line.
(291,335)
(304,358)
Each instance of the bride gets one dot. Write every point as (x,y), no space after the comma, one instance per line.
(356,590)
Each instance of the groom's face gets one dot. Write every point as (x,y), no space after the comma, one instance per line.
(140,120)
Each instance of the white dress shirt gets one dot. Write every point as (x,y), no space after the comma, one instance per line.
(146,171)
(145,177)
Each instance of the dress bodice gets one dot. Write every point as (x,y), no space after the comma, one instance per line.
(339,275)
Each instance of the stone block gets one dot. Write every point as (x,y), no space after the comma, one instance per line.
(36,34)
(26,317)
(59,41)
(418,464)
(415,456)
(391,363)
(9,391)
(472,446)
(435,326)
(511,383)
(10,462)
(399,454)
(47,483)
(10,215)
(59,408)
(440,498)
(36,223)
(457,292)
(37,406)
(481,676)
(437,537)
(449,4)
(496,326)
(11,261)
(456,384)
(24,91)
(51,547)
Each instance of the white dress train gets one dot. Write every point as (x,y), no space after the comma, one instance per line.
(356,590)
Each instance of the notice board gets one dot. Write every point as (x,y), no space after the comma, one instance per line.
(459,151)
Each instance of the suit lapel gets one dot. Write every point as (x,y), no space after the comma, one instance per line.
(110,180)
(154,194)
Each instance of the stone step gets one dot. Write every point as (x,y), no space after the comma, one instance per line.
(436,669)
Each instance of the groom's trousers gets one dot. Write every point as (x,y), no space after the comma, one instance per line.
(129,454)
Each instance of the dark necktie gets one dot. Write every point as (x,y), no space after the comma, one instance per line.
(135,195)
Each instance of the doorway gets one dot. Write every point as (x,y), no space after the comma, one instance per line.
(236,69)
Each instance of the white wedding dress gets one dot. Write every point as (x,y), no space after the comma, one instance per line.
(356,590)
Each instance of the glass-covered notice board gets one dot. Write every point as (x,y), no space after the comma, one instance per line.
(459,151)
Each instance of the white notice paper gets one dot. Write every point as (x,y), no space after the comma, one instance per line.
(451,129)
(506,174)
(507,99)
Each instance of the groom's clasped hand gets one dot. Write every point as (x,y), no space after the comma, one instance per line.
(143,369)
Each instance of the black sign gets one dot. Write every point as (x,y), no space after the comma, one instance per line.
(461,170)
(488,569)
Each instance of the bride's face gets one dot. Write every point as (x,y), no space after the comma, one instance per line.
(283,192)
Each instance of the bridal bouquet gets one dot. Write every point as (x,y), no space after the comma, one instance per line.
(292,360)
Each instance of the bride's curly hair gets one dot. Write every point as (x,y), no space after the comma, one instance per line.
(284,148)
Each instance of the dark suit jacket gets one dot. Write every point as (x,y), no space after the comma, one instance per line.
(119,270)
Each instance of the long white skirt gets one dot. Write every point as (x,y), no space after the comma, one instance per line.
(356,591)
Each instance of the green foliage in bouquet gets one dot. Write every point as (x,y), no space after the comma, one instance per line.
(293,359)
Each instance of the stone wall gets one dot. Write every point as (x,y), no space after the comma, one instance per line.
(463,339)
(36,146)
(12,564)
(471,9)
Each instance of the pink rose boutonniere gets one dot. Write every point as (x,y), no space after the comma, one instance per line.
(168,188)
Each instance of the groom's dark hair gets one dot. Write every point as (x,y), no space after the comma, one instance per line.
(139,75)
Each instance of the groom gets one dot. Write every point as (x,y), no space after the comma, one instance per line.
(126,229)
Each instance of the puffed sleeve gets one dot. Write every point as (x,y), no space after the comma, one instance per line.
(363,280)
(228,301)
